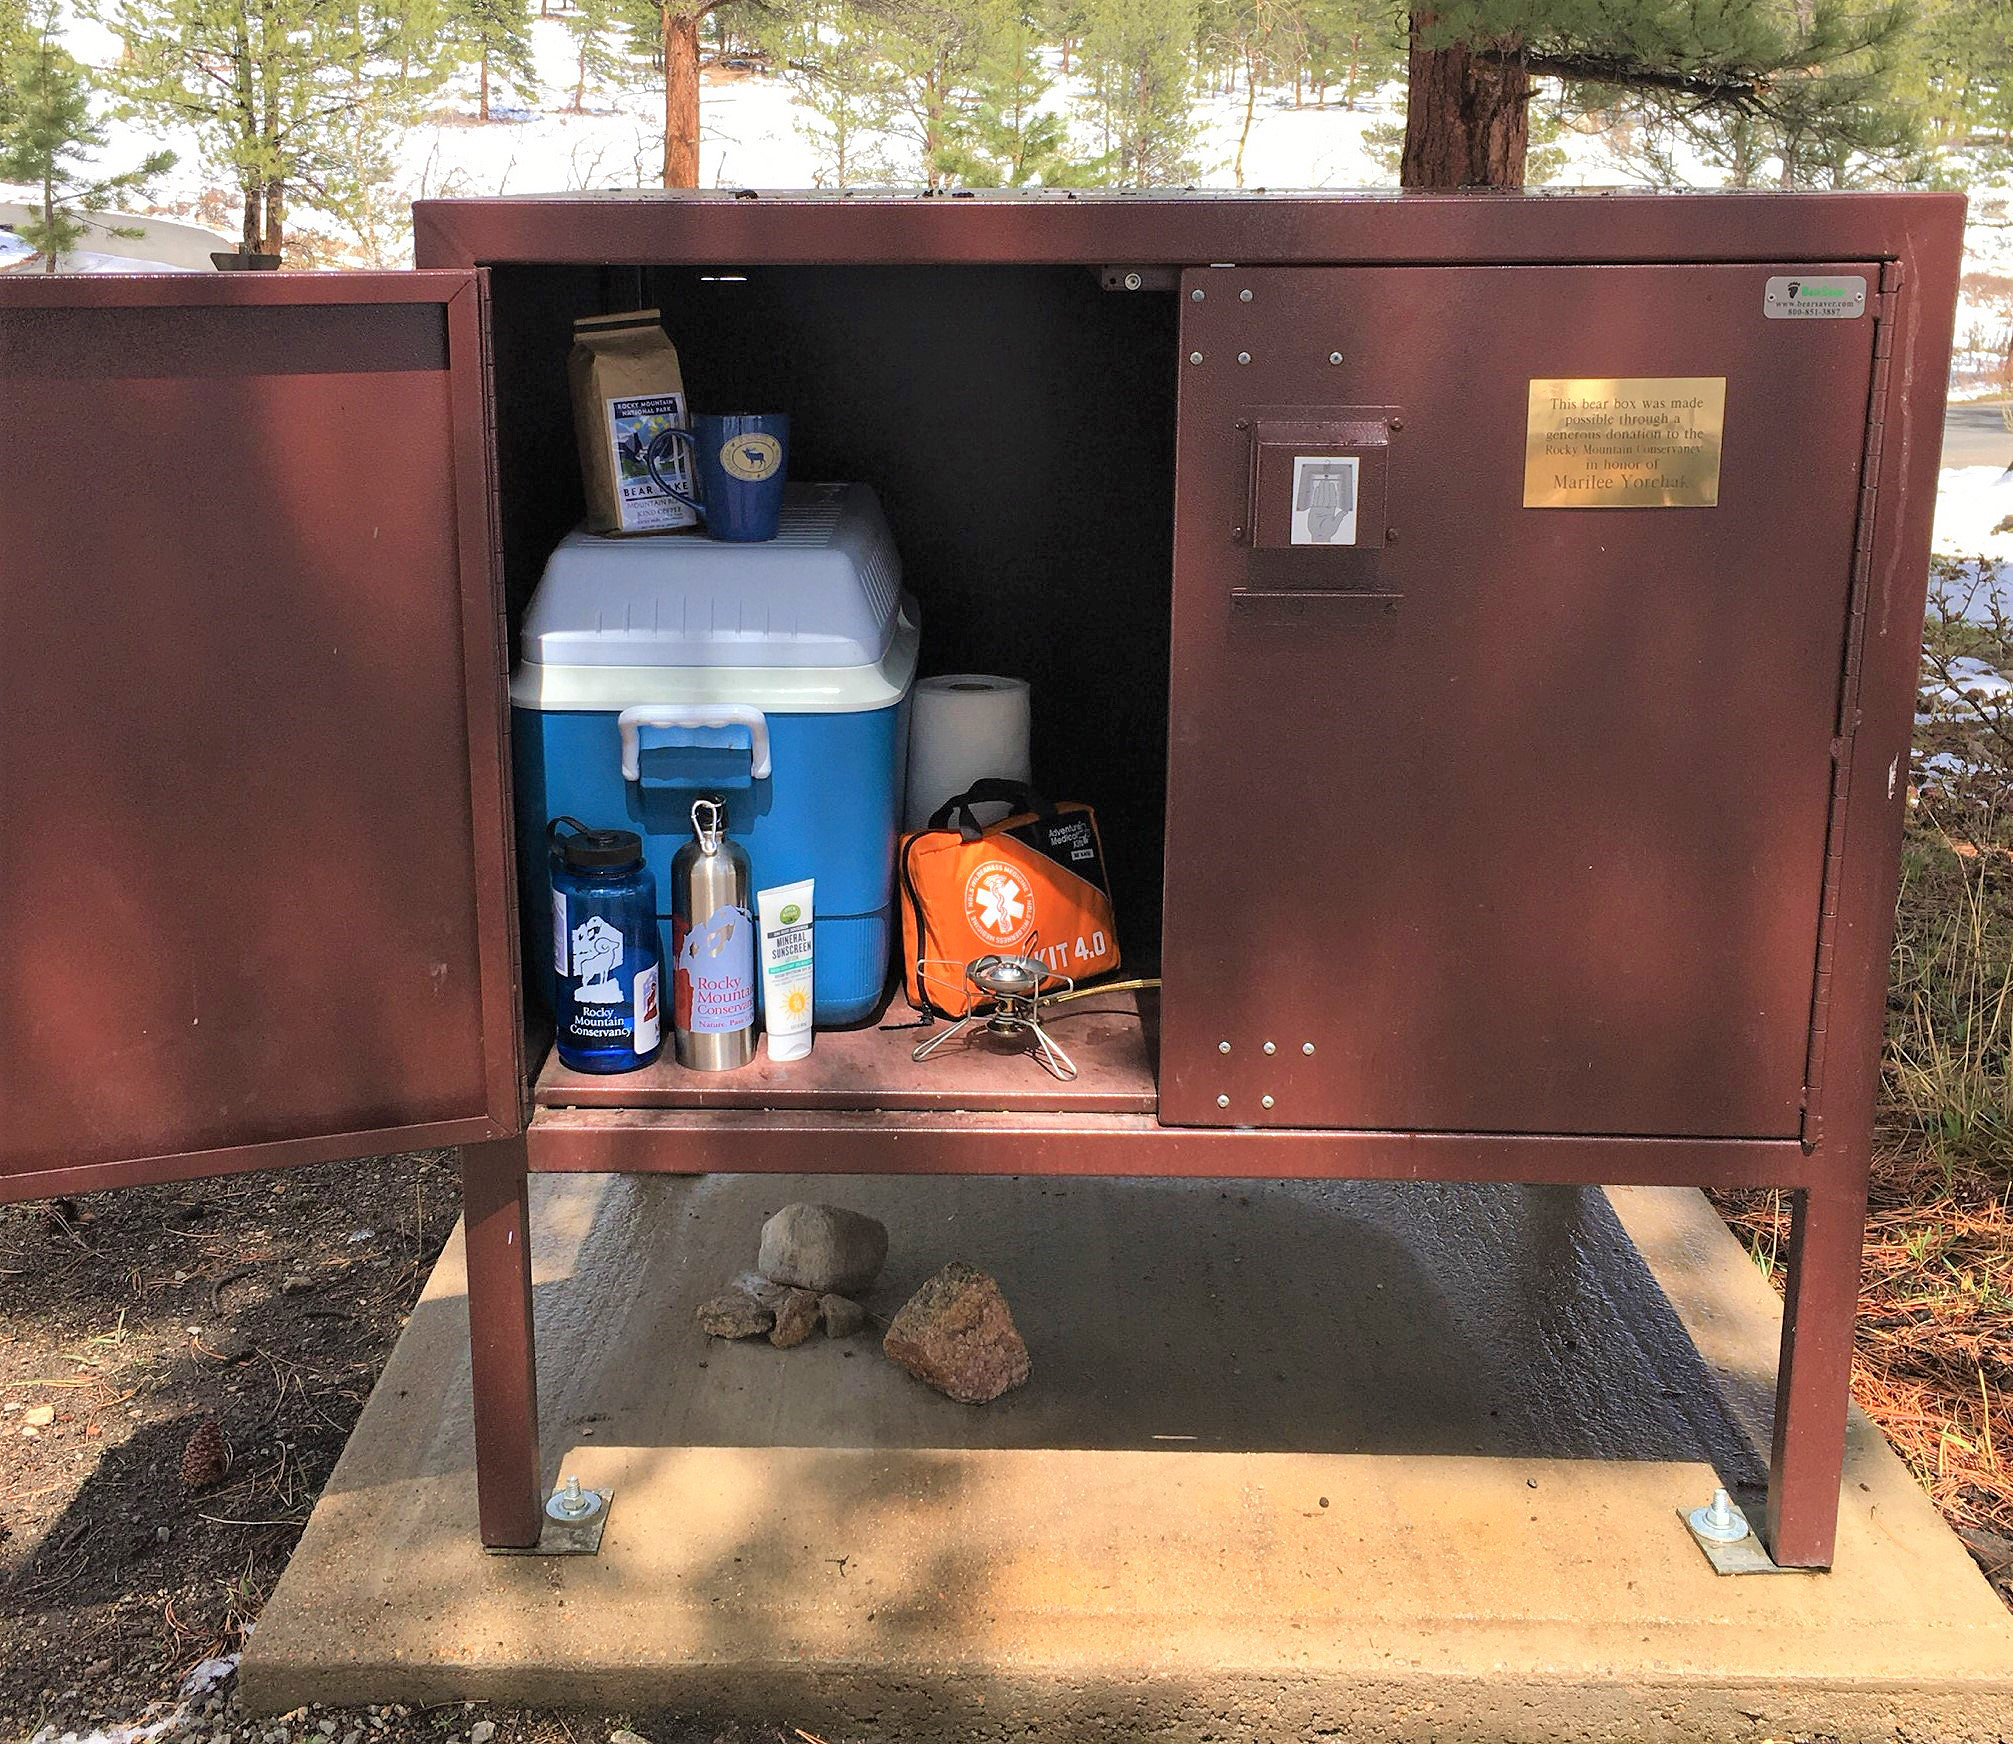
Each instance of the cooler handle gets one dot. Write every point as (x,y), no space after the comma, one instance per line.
(713,714)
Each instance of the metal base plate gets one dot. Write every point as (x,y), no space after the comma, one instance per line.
(1744,1556)
(566,1537)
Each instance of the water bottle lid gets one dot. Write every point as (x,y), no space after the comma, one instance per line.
(589,849)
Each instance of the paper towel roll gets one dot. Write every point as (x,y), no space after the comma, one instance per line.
(964,727)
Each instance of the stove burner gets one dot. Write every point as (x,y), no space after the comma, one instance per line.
(1005,995)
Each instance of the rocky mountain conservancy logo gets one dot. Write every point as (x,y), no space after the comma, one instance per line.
(752,457)
(597,954)
(999,906)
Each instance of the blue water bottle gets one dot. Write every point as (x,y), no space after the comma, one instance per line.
(609,967)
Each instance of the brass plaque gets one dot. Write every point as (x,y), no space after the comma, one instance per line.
(1624,442)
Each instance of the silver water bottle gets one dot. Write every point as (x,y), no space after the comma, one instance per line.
(712,946)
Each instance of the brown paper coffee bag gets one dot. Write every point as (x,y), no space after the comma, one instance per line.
(627,389)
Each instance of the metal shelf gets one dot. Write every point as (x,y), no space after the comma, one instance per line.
(1114,1039)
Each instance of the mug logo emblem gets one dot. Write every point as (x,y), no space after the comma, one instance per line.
(999,906)
(752,458)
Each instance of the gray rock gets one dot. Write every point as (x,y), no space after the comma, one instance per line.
(734,1314)
(823,1247)
(842,1315)
(957,1334)
(796,1319)
(481,1732)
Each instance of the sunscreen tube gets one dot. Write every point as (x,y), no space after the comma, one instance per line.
(785,914)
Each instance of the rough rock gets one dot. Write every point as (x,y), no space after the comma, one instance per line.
(823,1247)
(734,1314)
(796,1319)
(41,1416)
(841,1314)
(957,1334)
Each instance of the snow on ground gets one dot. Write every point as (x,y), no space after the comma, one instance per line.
(1974,523)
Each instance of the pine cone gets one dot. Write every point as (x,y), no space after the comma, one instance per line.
(206,1458)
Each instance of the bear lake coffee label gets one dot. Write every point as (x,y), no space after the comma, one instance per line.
(1624,442)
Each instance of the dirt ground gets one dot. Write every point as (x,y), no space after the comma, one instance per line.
(267,1305)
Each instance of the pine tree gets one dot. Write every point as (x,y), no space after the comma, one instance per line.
(1136,54)
(15,35)
(1261,39)
(494,37)
(675,54)
(934,52)
(601,60)
(1779,63)
(273,90)
(829,54)
(1962,73)
(1008,139)
(1355,44)
(47,133)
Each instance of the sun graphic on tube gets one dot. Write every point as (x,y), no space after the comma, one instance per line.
(796,1002)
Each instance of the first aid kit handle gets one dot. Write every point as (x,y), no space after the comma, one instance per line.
(631,721)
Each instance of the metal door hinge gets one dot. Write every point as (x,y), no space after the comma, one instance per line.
(1846,721)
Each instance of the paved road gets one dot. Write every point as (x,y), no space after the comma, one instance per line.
(1976,436)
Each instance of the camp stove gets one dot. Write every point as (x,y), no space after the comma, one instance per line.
(1004,996)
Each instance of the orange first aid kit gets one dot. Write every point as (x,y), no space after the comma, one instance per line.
(1032,885)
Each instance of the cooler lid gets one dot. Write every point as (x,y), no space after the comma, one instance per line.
(826,592)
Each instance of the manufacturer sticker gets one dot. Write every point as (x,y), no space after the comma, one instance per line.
(1324,499)
(1839,297)
(1624,442)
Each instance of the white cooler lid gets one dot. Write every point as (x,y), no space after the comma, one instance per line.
(826,591)
(809,621)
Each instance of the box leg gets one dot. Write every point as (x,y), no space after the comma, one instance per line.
(1814,1379)
(502,1359)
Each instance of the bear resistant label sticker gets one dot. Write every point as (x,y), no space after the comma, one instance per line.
(1795,297)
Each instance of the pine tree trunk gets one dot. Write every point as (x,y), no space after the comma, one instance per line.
(580,83)
(276,218)
(1250,103)
(482,103)
(1467,117)
(250,237)
(680,40)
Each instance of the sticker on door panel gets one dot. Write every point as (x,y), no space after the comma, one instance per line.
(1324,499)
(1624,442)
(1808,297)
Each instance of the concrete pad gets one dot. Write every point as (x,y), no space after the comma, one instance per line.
(1333,1460)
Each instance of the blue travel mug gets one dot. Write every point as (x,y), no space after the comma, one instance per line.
(739,463)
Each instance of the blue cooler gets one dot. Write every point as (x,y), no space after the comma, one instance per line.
(776,675)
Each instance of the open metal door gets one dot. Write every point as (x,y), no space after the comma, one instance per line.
(254,815)
(1510,611)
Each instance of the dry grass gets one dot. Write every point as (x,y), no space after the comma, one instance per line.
(1934,1358)
(1934,1363)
